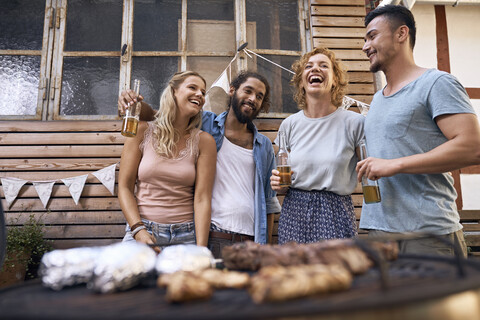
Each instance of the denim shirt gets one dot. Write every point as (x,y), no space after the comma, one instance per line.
(266,201)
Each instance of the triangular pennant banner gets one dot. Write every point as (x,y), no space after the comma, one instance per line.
(222,81)
(44,190)
(217,97)
(107,177)
(11,187)
(75,186)
(363,108)
(348,102)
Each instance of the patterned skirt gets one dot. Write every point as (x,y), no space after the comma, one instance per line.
(311,216)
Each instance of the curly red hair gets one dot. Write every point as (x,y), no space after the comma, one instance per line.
(339,77)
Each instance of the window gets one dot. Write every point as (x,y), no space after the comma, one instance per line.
(68,59)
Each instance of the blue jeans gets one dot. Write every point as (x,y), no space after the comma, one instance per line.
(167,234)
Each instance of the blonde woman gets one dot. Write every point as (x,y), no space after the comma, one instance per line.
(172,162)
(322,139)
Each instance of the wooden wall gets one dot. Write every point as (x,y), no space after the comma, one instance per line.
(339,26)
(52,150)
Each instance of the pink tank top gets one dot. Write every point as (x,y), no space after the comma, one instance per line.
(165,187)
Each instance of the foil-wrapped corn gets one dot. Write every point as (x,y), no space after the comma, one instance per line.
(61,268)
(122,266)
(184,257)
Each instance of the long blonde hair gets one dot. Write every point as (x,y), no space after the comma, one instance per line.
(165,134)
(339,78)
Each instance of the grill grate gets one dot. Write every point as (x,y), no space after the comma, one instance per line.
(410,279)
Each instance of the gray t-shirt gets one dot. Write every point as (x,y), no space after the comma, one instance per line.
(322,150)
(401,125)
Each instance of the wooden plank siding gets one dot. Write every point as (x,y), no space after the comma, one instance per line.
(53,150)
(339,26)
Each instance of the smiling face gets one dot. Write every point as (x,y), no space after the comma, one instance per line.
(379,44)
(317,75)
(247,99)
(190,96)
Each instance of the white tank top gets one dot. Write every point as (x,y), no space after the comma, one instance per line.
(234,189)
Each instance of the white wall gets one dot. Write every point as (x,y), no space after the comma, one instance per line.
(425,52)
(463,25)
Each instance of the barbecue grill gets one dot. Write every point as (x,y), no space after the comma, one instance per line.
(411,287)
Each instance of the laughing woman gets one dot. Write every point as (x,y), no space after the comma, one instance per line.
(322,139)
(172,162)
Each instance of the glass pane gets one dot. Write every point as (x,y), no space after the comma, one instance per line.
(210,10)
(210,26)
(89,86)
(21,24)
(276,24)
(279,79)
(19,78)
(208,35)
(155,26)
(94,25)
(154,74)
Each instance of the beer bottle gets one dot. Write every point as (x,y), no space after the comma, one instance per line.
(132,114)
(283,163)
(371,190)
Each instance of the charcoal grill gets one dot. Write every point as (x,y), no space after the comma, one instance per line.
(411,287)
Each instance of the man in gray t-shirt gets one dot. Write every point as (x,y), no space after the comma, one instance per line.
(419,127)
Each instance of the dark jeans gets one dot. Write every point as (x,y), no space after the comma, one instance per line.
(219,240)
(216,245)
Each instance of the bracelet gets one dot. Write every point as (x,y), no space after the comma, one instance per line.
(134,232)
(136,225)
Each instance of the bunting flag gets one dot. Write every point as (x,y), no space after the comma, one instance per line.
(348,102)
(75,186)
(11,187)
(107,177)
(44,190)
(217,97)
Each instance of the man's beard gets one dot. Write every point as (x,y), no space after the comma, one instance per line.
(375,67)
(241,117)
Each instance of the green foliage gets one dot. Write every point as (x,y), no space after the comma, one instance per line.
(25,244)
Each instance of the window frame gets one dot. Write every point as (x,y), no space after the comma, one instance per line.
(53,53)
(49,25)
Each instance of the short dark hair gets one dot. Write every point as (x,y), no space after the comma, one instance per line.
(243,76)
(397,16)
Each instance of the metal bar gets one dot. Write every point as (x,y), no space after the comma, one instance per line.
(379,261)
